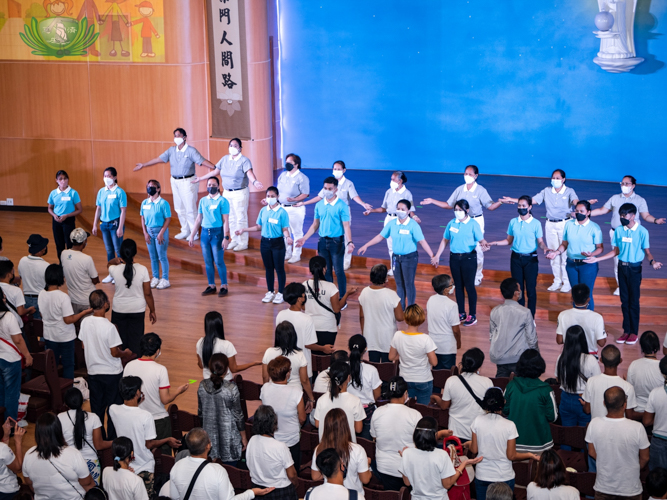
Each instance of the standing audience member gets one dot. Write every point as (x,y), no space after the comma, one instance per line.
(64,204)
(133,293)
(415,352)
(269,461)
(656,484)
(13,294)
(58,319)
(392,426)
(120,481)
(512,329)
(655,414)
(617,444)
(2,257)
(294,187)
(581,315)
(331,466)
(365,381)
(51,468)
(379,310)
(155,219)
(463,394)
(219,407)
(155,384)
(212,480)
(494,439)
(79,270)
(10,462)
(32,269)
(103,354)
(443,322)
(644,374)
(550,479)
(531,404)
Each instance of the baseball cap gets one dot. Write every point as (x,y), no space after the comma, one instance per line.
(78,235)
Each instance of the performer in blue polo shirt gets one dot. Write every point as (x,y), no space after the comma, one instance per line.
(630,245)
(405,233)
(524,234)
(273,222)
(332,221)
(64,205)
(582,238)
(463,235)
(155,219)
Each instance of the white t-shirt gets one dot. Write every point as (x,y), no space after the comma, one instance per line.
(305,332)
(129,300)
(14,295)
(370,380)
(392,426)
(442,314)
(357,464)
(379,320)
(297,358)
(590,321)
(123,484)
(323,319)
(413,349)
(8,327)
(328,491)
(657,404)
(588,367)
(562,492)
(91,422)
(54,306)
(99,335)
(594,393)
(154,377)
(220,346)
(617,442)
(32,270)
(79,270)
(212,483)
(49,484)
(464,409)
(268,460)
(426,470)
(8,481)
(284,399)
(322,382)
(644,374)
(139,426)
(493,432)
(350,404)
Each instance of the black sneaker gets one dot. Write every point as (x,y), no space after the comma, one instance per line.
(462,317)
(209,291)
(471,320)
(223,292)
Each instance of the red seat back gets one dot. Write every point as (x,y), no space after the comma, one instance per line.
(371,494)
(305,485)
(239,478)
(583,481)
(53,381)
(320,363)
(386,370)
(368,446)
(182,421)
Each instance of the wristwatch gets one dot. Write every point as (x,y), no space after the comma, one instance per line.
(227,237)
(350,243)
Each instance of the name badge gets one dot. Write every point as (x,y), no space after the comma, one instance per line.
(111,197)
(146,207)
(627,240)
(453,230)
(273,221)
(65,198)
(403,231)
(213,207)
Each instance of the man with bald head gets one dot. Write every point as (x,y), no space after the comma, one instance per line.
(620,447)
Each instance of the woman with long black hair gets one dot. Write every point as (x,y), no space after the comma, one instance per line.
(120,481)
(574,367)
(133,293)
(214,342)
(365,381)
(550,480)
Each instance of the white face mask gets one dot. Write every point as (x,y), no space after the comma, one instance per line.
(393,185)
(178,140)
(402,214)
(459,214)
(233,151)
(109,181)
(626,189)
(338,174)
(556,183)
(469,179)
(328,194)
(272,201)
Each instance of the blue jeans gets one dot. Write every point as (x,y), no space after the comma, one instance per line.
(211,248)
(572,413)
(64,352)
(421,391)
(482,486)
(333,251)
(158,253)
(658,452)
(10,387)
(445,361)
(378,357)
(31,301)
(580,272)
(111,240)
(405,270)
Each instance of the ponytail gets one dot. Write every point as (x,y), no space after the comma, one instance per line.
(128,250)
(122,450)
(74,401)
(218,365)
(339,372)
(317,265)
(357,346)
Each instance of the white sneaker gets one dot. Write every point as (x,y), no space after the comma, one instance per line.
(390,272)
(294,259)
(163,284)
(182,235)
(346,266)
(269,297)
(617,291)
(555,287)
(108,279)
(567,288)
(154,282)
(232,245)
(278,299)
(239,248)
(288,255)
(478,282)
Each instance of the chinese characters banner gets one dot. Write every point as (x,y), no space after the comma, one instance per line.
(229,89)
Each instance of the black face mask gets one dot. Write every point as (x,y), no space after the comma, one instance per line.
(289,167)
(522,211)
(212,190)
(580,217)
(624,221)
(344,467)
(151,190)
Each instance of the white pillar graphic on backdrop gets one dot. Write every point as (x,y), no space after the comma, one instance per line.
(615,23)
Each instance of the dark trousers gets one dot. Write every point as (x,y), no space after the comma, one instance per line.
(445,361)
(61,232)
(104,393)
(295,451)
(580,272)
(163,431)
(524,269)
(64,352)
(464,268)
(378,357)
(390,483)
(629,281)
(333,251)
(505,370)
(130,328)
(273,256)
(405,270)
(326,338)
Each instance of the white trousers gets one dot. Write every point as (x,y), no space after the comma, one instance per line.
(611,238)
(185,202)
(238,214)
(347,260)
(296,218)
(480,253)
(387,220)
(554,235)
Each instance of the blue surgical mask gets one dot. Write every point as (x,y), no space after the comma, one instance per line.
(328,194)
(271,201)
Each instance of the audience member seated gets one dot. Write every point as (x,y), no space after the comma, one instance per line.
(644,373)
(79,270)
(463,394)
(590,321)
(13,294)
(499,491)
(2,257)
(32,269)
(656,484)
(655,414)
(321,384)
(333,469)
(219,403)
(444,322)
(550,479)
(10,462)
(120,481)
(365,381)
